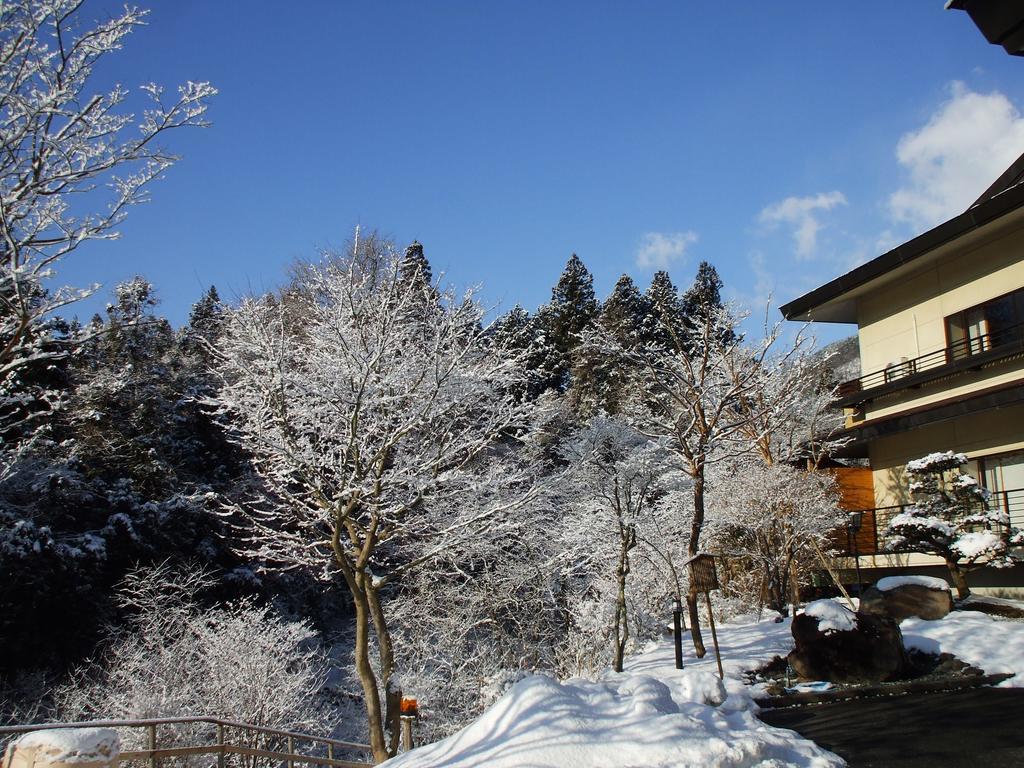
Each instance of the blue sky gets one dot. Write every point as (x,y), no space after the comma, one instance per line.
(783,142)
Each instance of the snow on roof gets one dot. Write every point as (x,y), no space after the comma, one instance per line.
(831,616)
(892,582)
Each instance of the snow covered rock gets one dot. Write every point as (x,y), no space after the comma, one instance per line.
(702,688)
(902,597)
(837,645)
(73,747)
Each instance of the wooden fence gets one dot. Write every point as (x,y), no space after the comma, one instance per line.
(226,738)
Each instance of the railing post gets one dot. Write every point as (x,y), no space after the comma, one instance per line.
(152,746)
(291,752)
(330,751)
(220,745)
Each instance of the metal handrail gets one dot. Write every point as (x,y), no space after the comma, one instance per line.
(223,747)
(1006,339)
(869,539)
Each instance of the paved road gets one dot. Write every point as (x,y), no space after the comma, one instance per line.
(976,728)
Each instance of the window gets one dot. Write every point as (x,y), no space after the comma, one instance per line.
(1003,475)
(988,325)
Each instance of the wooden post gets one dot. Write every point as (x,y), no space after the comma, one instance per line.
(330,751)
(291,751)
(220,745)
(152,746)
(407,744)
(714,636)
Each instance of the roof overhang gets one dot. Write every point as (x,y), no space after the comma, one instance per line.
(836,301)
(1001,23)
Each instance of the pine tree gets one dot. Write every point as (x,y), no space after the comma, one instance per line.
(414,265)
(598,376)
(204,323)
(572,309)
(624,311)
(703,298)
(663,324)
(518,331)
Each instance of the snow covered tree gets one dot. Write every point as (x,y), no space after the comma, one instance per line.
(690,389)
(383,438)
(598,376)
(617,477)
(772,519)
(61,141)
(950,518)
(572,308)
(124,472)
(663,324)
(519,331)
(174,658)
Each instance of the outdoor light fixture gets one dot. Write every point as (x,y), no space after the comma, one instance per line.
(409,711)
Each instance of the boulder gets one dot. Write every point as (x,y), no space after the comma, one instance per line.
(65,748)
(858,648)
(906,596)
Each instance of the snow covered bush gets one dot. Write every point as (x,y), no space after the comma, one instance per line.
(951,518)
(775,521)
(173,658)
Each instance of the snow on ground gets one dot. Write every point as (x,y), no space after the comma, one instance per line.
(654,715)
(993,645)
(651,715)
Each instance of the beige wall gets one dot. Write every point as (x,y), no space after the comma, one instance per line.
(996,431)
(906,319)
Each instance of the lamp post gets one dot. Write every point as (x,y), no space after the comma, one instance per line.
(677,632)
(853,525)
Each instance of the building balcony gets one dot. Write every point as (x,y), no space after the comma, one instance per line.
(968,354)
(870,539)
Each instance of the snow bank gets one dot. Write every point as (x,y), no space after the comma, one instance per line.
(982,641)
(653,715)
(892,582)
(632,720)
(831,616)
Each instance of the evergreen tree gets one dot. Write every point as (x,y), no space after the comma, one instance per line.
(702,299)
(663,324)
(624,311)
(572,309)
(414,265)
(204,323)
(517,331)
(598,377)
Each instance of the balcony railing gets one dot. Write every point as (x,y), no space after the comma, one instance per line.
(870,538)
(961,355)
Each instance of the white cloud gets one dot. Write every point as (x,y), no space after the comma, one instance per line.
(970,140)
(659,249)
(800,212)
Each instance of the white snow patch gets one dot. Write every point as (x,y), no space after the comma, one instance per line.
(976,543)
(892,582)
(831,616)
(982,641)
(934,460)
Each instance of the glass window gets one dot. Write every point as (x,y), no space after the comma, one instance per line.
(985,326)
